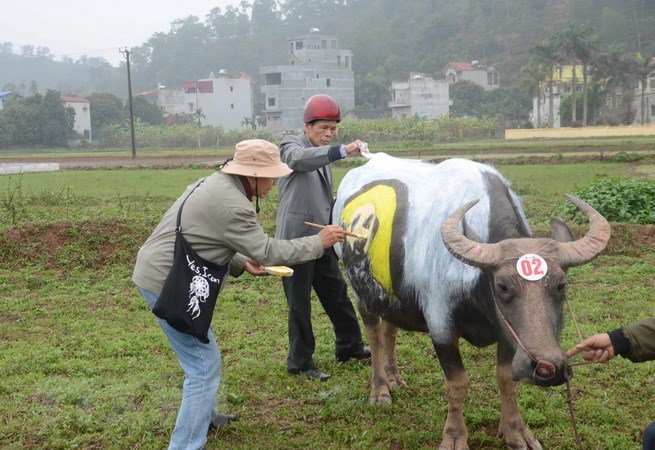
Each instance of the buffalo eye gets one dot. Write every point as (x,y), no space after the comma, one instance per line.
(561,287)
(502,288)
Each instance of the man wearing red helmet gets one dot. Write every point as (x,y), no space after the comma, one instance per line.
(307,196)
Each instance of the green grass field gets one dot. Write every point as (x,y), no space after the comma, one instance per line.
(83,364)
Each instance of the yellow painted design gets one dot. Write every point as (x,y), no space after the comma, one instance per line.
(379,201)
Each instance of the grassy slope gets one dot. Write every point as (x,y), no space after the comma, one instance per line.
(84,365)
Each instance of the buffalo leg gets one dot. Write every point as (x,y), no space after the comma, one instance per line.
(380,389)
(389,331)
(512,427)
(455,435)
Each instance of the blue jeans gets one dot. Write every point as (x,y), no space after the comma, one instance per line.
(649,437)
(201,364)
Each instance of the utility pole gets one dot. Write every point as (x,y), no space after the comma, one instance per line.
(126,53)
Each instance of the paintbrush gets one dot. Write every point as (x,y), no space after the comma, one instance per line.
(347,233)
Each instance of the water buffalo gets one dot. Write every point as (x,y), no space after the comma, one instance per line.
(423,266)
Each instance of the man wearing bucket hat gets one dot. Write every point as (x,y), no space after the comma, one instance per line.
(307,196)
(220,223)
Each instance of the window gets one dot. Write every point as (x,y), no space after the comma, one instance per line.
(231,88)
(232,105)
(291,48)
(347,60)
(190,107)
(324,43)
(273,78)
(327,82)
(333,44)
(271,101)
(338,60)
(299,45)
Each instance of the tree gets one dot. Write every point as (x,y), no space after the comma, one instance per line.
(549,56)
(38,120)
(146,111)
(617,70)
(467,97)
(644,68)
(575,46)
(532,75)
(106,109)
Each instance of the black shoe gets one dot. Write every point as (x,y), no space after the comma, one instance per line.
(220,421)
(312,374)
(363,353)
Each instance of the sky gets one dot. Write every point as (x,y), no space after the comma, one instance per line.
(94,28)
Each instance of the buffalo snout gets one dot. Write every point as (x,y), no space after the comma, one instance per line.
(543,371)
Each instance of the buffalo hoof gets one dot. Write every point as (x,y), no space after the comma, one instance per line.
(381,397)
(397,382)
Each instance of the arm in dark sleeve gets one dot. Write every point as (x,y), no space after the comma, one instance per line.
(641,337)
(306,159)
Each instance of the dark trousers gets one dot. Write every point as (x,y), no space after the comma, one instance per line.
(649,437)
(325,277)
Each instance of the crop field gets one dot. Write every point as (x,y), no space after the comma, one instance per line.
(84,365)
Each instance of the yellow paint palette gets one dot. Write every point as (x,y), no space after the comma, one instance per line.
(280,271)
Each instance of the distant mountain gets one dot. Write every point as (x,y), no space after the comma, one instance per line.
(388,38)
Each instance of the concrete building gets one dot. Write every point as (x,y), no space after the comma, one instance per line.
(224,102)
(82,123)
(420,95)
(170,100)
(316,66)
(487,77)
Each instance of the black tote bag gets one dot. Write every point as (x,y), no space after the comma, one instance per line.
(191,288)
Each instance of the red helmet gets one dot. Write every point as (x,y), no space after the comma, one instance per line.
(321,107)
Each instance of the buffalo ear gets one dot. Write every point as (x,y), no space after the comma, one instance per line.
(560,231)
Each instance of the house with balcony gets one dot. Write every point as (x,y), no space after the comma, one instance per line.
(219,101)
(420,95)
(487,77)
(82,124)
(316,65)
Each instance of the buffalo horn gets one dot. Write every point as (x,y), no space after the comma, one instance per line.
(474,253)
(590,245)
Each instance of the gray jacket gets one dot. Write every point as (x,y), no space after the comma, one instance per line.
(306,194)
(221,225)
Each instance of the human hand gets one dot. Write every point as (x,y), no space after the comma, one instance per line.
(597,348)
(355,147)
(330,235)
(255,269)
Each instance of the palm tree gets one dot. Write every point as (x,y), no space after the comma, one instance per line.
(644,68)
(532,75)
(572,44)
(617,70)
(549,56)
(197,115)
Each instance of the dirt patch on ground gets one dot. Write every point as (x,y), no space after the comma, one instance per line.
(68,245)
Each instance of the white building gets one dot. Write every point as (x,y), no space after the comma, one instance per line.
(316,66)
(223,102)
(82,123)
(487,77)
(420,95)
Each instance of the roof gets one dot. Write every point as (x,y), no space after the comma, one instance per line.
(74,100)
(461,66)
(5,93)
(148,94)
(246,76)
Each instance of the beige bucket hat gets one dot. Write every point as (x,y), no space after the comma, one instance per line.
(257,158)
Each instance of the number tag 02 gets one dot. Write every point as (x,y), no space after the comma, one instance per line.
(532,267)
